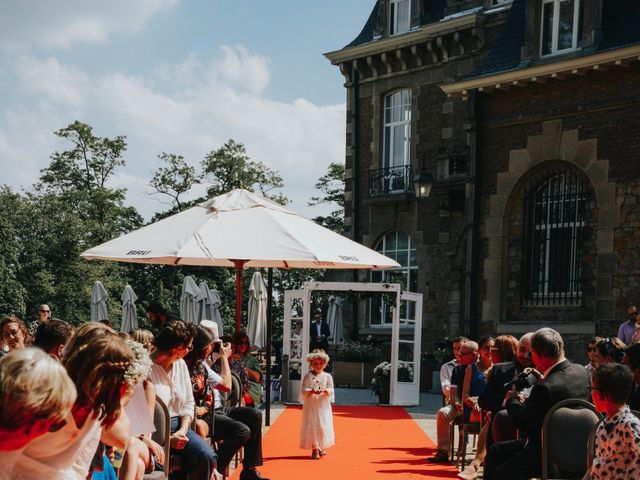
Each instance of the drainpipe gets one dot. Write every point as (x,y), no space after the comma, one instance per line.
(470,320)
(355,181)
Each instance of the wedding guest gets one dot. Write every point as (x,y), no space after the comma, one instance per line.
(14,333)
(629,331)
(52,336)
(253,369)
(203,343)
(44,314)
(591,354)
(608,350)
(170,376)
(447,369)
(144,337)
(103,368)
(320,333)
(36,395)
(617,443)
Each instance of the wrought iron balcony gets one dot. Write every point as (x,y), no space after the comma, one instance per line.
(390,180)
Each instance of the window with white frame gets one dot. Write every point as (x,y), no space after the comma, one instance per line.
(399,16)
(398,246)
(396,140)
(561,25)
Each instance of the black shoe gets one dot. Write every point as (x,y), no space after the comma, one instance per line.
(439,457)
(251,474)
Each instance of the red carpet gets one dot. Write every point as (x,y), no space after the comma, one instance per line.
(371,443)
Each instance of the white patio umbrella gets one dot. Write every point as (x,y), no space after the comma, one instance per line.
(208,301)
(240,229)
(98,302)
(257,312)
(188,302)
(334,319)
(129,316)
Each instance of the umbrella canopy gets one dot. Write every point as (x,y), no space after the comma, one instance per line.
(334,319)
(129,316)
(208,301)
(188,302)
(257,312)
(239,225)
(98,302)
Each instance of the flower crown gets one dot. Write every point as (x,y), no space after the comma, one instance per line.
(137,370)
(318,354)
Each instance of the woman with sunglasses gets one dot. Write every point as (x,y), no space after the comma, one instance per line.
(171,378)
(609,350)
(254,394)
(14,334)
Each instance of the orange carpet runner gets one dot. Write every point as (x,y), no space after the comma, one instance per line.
(371,443)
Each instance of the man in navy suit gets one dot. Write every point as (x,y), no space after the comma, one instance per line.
(320,334)
(559,380)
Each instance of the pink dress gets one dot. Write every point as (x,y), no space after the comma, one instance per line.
(317,420)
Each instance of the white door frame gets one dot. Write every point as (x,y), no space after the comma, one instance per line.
(400,394)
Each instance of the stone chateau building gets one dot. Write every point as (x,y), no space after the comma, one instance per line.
(520,120)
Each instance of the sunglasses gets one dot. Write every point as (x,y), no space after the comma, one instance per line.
(45,311)
(591,349)
(243,342)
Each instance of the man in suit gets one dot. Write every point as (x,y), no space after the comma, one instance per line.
(559,380)
(319,334)
(493,397)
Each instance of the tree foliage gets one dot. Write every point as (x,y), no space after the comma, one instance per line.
(331,184)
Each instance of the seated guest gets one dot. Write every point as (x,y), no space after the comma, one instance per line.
(144,337)
(237,427)
(14,333)
(617,452)
(559,380)
(253,369)
(52,336)
(236,365)
(447,369)
(36,395)
(591,353)
(632,360)
(170,376)
(103,368)
(202,393)
(608,350)
(447,414)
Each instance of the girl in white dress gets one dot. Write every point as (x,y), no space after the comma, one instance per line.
(316,395)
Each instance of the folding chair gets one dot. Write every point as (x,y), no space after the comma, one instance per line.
(566,430)
(161,436)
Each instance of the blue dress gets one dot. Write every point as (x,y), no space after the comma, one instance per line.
(478,384)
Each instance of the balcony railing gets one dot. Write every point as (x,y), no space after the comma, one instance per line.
(390,180)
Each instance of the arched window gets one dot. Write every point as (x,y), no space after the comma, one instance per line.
(554,219)
(396,245)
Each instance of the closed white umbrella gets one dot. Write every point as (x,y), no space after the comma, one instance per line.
(129,316)
(334,319)
(188,302)
(208,302)
(98,302)
(257,312)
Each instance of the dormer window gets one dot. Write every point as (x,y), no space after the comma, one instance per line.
(399,16)
(560,26)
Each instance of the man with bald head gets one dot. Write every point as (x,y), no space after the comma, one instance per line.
(468,354)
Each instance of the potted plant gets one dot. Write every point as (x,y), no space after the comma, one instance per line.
(381,381)
(354,363)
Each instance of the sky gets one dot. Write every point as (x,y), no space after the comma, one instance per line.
(177,76)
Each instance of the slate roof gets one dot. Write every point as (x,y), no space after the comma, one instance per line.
(620,27)
(432,11)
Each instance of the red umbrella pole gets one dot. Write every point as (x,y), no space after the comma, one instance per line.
(239,264)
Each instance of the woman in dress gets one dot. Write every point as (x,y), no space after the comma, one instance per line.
(242,349)
(14,334)
(171,378)
(202,393)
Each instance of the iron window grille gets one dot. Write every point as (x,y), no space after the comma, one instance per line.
(386,181)
(554,220)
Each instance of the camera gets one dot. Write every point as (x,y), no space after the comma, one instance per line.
(524,379)
(216,346)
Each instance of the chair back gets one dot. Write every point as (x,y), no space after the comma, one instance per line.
(566,431)
(162,422)
(234,396)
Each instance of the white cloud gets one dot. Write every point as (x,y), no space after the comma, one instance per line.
(189,108)
(62,23)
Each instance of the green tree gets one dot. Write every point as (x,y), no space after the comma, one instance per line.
(331,184)
(230,167)
(175,179)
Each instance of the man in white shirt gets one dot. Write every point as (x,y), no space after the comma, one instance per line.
(239,427)
(447,368)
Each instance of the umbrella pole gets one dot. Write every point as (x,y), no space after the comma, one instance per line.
(239,265)
(267,412)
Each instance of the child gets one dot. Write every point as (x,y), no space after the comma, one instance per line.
(316,395)
(617,455)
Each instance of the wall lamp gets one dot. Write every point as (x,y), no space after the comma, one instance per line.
(422,183)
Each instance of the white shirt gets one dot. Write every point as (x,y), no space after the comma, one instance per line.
(214,379)
(445,376)
(174,388)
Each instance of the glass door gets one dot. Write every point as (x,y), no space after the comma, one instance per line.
(405,351)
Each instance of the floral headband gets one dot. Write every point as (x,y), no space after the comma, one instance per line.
(318,355)
(137,370)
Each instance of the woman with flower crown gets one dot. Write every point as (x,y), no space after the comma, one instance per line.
(104,370)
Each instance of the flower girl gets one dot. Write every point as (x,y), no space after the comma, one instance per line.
(316,396)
